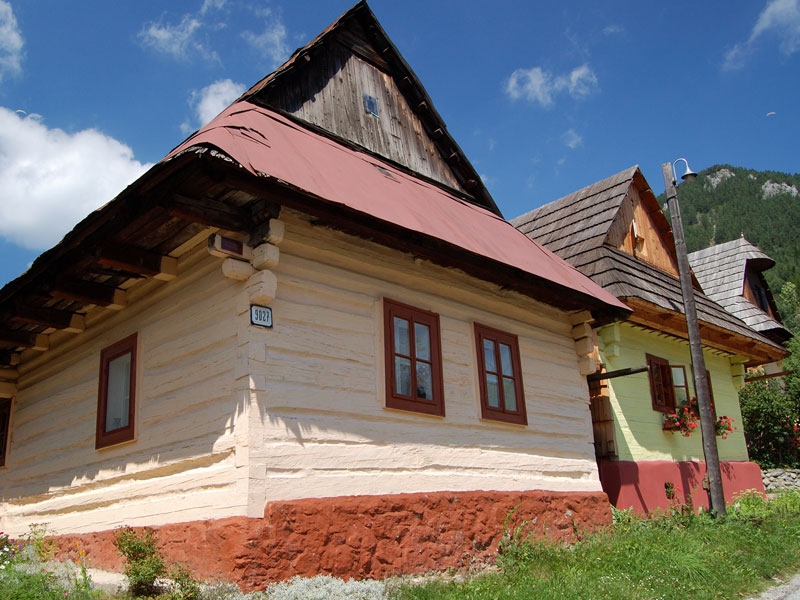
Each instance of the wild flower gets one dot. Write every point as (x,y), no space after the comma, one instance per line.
(8,551)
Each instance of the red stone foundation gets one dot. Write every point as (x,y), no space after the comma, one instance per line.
(641,485)
(358,536)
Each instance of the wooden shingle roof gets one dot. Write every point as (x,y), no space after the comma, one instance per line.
(576,227)
(721,271)
(580,221)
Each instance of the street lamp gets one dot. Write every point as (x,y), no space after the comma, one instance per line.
(708,427)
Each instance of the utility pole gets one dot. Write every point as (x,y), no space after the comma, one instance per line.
(708,427)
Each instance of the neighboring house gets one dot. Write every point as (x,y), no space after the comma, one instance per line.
(615,232)
(731,274)
(306,341)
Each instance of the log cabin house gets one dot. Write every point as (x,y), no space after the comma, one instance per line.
(306,341)
(615,232)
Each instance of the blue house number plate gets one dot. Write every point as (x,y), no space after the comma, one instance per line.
(261,315)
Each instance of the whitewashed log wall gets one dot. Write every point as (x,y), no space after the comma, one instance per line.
(182,466)
(230,415)
(324,430)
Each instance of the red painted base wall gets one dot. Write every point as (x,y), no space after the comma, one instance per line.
(641,485)
(358,536)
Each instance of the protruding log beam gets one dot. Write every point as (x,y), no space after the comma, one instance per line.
(50,317)
(24,339)
(138,260)
(89,292)
(211,213)
(7,389)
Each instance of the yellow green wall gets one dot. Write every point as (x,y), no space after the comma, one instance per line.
(637,427)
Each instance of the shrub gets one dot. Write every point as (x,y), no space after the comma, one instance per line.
(770,416)
(144,563)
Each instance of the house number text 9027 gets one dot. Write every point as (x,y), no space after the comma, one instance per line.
(261,315)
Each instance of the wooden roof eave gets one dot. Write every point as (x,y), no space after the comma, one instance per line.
(423,246)
(88,268)
(673,323)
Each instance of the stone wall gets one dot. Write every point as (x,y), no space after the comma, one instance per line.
(781,479)
(358,536)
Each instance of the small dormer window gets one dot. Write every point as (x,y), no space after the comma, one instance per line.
(371,105)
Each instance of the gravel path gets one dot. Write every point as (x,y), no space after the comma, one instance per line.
(785,591)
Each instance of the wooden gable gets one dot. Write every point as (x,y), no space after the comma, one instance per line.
(352,83)
(640,230)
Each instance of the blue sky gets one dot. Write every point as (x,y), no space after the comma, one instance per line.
(543,97)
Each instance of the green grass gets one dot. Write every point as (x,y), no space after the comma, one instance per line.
(674,556)
(677,555)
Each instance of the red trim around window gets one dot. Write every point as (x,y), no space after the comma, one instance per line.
(500,375)
(105,434)
(413,354)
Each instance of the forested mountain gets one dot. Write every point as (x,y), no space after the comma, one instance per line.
(726,202)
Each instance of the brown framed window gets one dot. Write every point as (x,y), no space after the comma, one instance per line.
(116,399)
(662,391)
(500,375)
(413,359)
(5,422)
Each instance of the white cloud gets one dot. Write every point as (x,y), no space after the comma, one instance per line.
(208,102)
(532,84)
(613,29)
(209,5)
(11,42)
(572,139)
(736,57)
(182,41)
(51,179)
(271,42)
(580,82)
(780,18)
(539,86)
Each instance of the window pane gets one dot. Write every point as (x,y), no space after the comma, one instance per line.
(119,387)
(424,381)
(402,376)
(492,391)
(488,356)
(401,339)
(678,376)
(681,397)
(507,367)
(422,341)
(509,396)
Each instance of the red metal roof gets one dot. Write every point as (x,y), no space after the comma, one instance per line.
(267,143)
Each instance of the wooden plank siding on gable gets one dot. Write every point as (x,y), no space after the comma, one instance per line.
(337,105)
(634,232)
